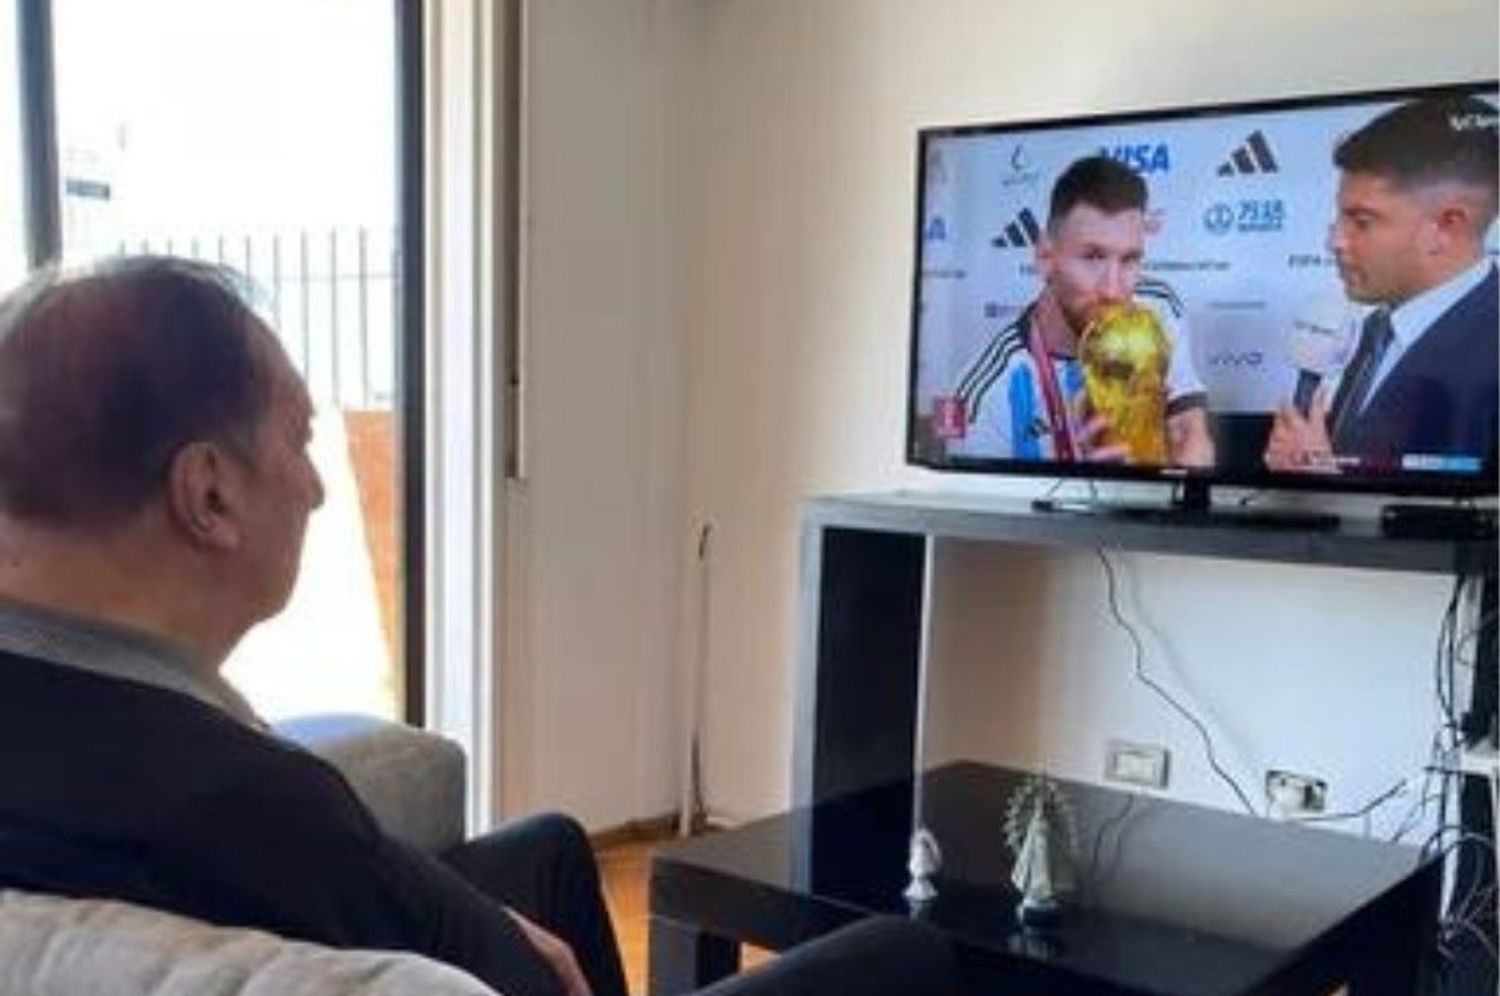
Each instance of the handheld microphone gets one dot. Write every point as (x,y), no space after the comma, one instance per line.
(1320,341)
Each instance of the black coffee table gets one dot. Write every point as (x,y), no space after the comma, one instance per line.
(1176,900)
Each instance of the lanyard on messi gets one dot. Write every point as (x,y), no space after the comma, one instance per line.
(1057,412)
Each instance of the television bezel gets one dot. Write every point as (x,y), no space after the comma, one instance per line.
(1414,483)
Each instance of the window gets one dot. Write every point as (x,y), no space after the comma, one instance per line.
(12,166)
(266,135)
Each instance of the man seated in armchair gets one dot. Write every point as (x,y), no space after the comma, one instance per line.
(154,489)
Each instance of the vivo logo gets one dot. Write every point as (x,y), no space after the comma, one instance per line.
(1143,158)
(1228,358)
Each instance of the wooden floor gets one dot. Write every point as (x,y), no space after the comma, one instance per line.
(626,870)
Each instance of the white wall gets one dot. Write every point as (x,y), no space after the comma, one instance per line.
(586,698)
(797,131)
(718,260)
(1315,670)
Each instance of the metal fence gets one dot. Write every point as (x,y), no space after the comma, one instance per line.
(332,295)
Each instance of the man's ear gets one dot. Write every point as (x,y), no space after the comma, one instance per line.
(1456,224)
(203,495)
(1455,213)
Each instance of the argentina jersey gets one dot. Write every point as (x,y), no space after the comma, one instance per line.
(1004,400)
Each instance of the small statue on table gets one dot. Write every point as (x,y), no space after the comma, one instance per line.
(1041,830)
(924,860)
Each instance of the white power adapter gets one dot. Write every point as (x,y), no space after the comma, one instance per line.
(1291,794)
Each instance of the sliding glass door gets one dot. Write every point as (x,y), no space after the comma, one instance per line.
(272,136)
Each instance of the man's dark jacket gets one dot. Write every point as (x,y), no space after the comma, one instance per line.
(1442,396)
(116,789)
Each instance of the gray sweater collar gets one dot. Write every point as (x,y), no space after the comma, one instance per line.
(115,652)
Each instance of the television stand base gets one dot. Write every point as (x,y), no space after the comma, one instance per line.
(1195,515)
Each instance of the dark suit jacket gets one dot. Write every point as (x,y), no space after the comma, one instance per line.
(115,789)
(1441,397)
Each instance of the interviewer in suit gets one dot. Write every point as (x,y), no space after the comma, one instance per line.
(1416,196)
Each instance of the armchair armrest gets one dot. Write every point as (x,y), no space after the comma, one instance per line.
(52,944)
(412,780)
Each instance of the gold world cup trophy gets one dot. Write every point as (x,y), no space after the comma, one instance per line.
(1124,352)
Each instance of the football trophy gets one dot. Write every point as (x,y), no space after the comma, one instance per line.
(1124,352)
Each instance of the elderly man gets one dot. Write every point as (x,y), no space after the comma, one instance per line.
(154,490)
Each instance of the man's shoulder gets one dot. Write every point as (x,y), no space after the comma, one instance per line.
(1010,336)
(37,683)
(124,731)
(1483,299)
(1162,300)
(162,775)
(1161,297)
(1004,348)
(1463,338)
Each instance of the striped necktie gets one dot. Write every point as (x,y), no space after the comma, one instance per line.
(1354,390)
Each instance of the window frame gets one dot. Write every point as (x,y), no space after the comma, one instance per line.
(38,132)
(42,200)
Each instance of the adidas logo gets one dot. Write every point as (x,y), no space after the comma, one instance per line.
(1019,234)
(1252,157)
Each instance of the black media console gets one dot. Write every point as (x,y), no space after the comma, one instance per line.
(1297,912)
(863,564)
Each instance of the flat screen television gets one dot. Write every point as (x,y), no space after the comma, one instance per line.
(1288,294)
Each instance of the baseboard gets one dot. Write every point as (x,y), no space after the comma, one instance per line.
(636,831)
(656,828)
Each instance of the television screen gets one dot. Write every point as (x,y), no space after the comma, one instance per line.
(1299,293)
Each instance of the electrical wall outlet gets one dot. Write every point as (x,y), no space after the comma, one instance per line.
(1291,794)
(1136,764)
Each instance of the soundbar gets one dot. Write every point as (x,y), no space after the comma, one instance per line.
(1415,521)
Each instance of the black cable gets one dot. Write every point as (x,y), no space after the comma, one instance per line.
(1443,680)
(1437,764)
(1110,864)
(1468,916)
(1447,923)
(1145,679)
(1355,814)
(1450,674)
(1479,905)
(1442,675)
(1413,817)
(1444,740)
(1451,658)
(1478,935)
(1473,634)
(1472,906)
(1464,837)
(1095,876)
